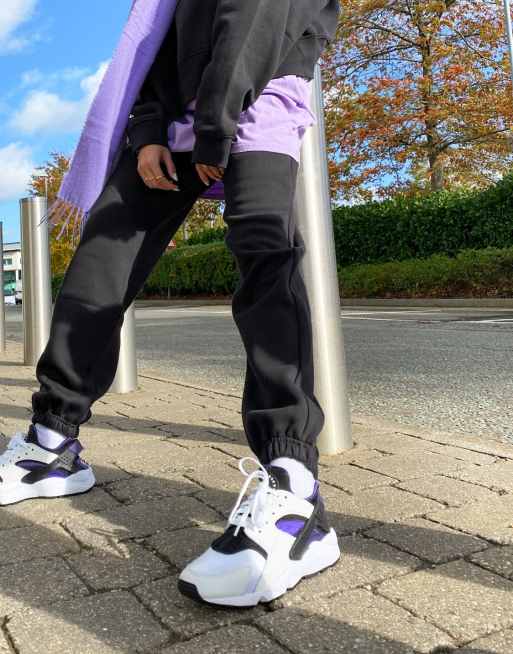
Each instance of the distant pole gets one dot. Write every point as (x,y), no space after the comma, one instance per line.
(2,297)
(509,32)
(315,223)
(37,290)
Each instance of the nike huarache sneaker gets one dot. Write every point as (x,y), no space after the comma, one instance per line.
(28,470)
(273,540)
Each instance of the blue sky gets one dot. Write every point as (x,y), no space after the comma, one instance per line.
(53,54)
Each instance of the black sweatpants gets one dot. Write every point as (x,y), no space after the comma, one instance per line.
(127,231)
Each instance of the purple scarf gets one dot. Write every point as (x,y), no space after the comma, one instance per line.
(104,133)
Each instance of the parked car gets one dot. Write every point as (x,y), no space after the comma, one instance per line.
(18,297)
(10,299)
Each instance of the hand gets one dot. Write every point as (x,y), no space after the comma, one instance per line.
(209,172)
(149,161)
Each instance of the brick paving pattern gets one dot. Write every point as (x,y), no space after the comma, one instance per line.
(425,522)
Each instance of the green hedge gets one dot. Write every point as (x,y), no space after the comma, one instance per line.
(209,235)
(412,228)
(416,227)
(472,273)
(211,269)
(196,269)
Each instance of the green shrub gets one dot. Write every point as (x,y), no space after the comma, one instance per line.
(411,228)
(471,273)
(56,284)
(197,269)
(210,235)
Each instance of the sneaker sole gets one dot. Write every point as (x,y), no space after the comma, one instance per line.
(80,482)
(314,562)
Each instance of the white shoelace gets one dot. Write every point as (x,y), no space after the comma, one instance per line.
(255,510)
(17,440)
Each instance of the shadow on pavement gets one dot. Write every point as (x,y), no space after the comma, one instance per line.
(100,569)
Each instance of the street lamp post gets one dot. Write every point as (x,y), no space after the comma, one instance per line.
(509,31)
(2,298)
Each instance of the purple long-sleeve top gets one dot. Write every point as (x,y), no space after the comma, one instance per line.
(275,122)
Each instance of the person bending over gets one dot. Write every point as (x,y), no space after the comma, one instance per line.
(225,102)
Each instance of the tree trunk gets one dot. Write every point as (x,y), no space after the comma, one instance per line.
(436,170)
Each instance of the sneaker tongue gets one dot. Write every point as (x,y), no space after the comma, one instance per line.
(32,435)
(279,478)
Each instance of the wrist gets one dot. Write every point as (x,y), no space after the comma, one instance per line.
(212,151)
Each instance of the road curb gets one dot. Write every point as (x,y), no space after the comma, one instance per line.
(505,303)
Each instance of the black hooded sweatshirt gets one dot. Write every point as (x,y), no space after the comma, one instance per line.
(224,53)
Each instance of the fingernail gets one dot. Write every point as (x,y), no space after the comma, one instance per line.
(174,178)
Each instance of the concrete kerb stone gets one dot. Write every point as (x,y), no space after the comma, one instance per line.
(107,623)
(497,559)
(365,562)
(228,640)
(185,617)
(490,520)
(447,490)
(182,545)
(497,476)
(498,643)
(104,529)
(37,583)
(461,598)
(129,566)
(17,545)
(431,542)
(354,621)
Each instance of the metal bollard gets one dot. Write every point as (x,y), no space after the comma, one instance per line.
(2,298)
(37,292)
(314,219)
(125,379)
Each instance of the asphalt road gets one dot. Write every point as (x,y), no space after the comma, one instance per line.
(448,369)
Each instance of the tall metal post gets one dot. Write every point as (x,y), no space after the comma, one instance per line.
(37,291)
(315,223)
(126,373)
(2,298)
(509,31)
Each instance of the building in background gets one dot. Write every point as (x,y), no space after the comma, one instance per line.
(12,268)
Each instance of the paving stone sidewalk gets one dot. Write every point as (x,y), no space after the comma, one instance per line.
(425,523)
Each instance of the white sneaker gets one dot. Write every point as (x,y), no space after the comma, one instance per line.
(273,539)
(29,470)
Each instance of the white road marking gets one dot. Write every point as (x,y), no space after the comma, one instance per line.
(345,317)
(485,320)
(436,314)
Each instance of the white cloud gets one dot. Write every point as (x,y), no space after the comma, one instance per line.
(17,166)
(31,77)
(14,13)
(70,74)
(44,111)
(35,76)
(91,83)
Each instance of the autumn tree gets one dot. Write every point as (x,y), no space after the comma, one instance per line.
(418,96)
(46,181)
(204,214)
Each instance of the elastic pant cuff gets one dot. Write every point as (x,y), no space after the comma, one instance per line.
(292,448)
(57,423)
